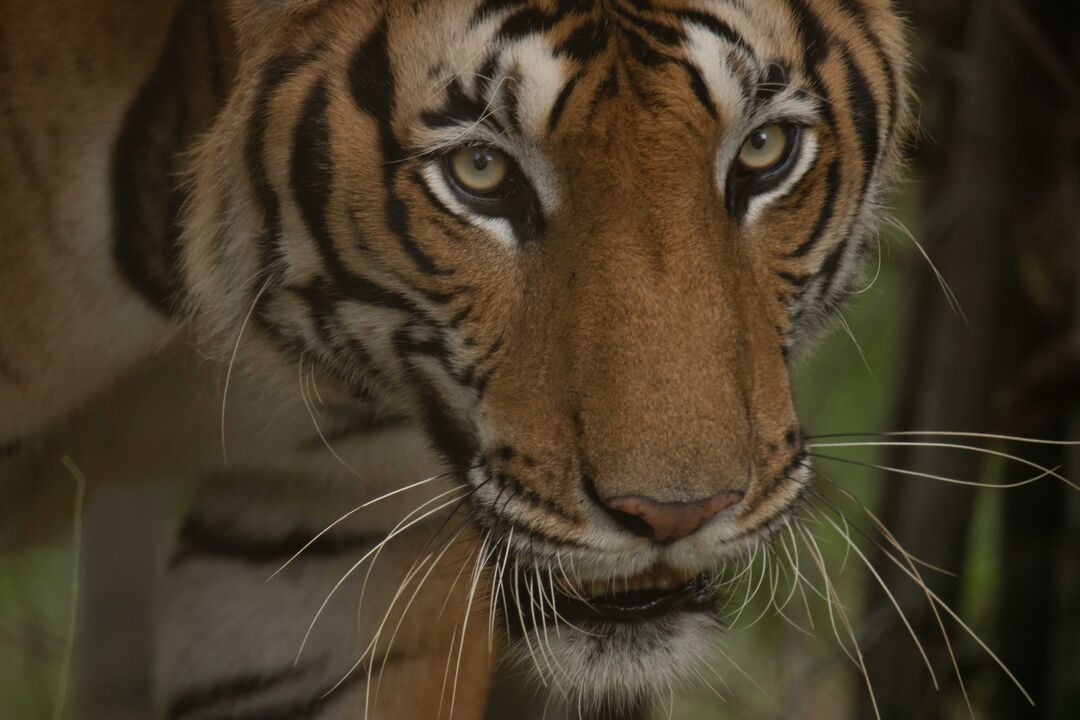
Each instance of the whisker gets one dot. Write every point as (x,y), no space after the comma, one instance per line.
(911,561)
(949,434)
(877,272)
(318,428)
(831,603)
(352,512)
(707,684)
(952,446)
(478,570)
(431,567)
(950,296)
(496,582)
(971,633)
(367,555)
(524,628)
(860,662)
(536,625)
(741,671)
(232,363)
(940,478)
(851,335)
(372,645)
(892,600)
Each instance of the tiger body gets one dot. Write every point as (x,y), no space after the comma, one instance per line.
(595,353)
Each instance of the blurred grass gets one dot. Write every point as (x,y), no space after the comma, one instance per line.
(34,604)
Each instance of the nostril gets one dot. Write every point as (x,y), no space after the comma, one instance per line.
(634,523)
(667,522)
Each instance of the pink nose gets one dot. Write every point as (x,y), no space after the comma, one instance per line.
(666,522)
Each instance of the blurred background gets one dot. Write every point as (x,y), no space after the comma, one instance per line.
(992,201)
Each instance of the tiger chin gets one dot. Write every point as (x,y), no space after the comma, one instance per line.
(577,246)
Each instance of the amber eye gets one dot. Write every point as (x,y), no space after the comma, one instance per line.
(479,170)
(766,148)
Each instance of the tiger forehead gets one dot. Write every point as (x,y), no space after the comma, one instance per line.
(525,64)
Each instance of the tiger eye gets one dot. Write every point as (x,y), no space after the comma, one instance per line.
(765,148)
(480,170)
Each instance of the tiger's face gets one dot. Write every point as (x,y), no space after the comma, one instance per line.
(579,244)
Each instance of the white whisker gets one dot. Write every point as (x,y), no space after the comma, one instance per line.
(232,362)
(364,558)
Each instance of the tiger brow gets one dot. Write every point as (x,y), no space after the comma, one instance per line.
(774,81)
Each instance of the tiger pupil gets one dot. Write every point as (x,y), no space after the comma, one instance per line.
(759,140)
(481,162)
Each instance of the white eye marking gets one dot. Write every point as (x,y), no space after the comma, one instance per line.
(710,56)
(540,77)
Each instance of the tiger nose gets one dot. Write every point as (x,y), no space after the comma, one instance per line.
(666,522)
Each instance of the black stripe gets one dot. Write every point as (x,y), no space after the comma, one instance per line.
(775,81)
(491,7)
(606,90)
(522,492)
(830,269)
(832,189)
(174,105)
(373,89)
(371,77)
(717,27)
(450,437)
(585,42)
(311,184)
(666,35)
(460,108)
(815,40)
(701,90)
(245,690)
(858,11)
(527,22)
(237,689)
(311,177)
(485,81)
(642,51)
(201,538)
(452,232)
(560,102)
(864,116)
(357,289)
(342,355)
(276,72)
(796,281)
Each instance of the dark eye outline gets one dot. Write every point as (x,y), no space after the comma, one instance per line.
(515,200)
(743,184)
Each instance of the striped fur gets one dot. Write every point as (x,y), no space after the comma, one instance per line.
(627,329)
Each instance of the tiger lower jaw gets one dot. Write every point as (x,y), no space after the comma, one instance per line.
(617,640)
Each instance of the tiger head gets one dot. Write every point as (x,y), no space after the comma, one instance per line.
(579,244)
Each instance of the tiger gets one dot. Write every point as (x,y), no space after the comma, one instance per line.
(506,295)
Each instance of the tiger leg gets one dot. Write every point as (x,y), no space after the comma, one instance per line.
(234,643)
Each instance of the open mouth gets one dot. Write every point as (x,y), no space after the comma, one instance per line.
(655,593)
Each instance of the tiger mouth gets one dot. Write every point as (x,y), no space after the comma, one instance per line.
(658,592)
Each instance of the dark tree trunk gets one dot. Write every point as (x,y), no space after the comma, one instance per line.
(1000,205)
